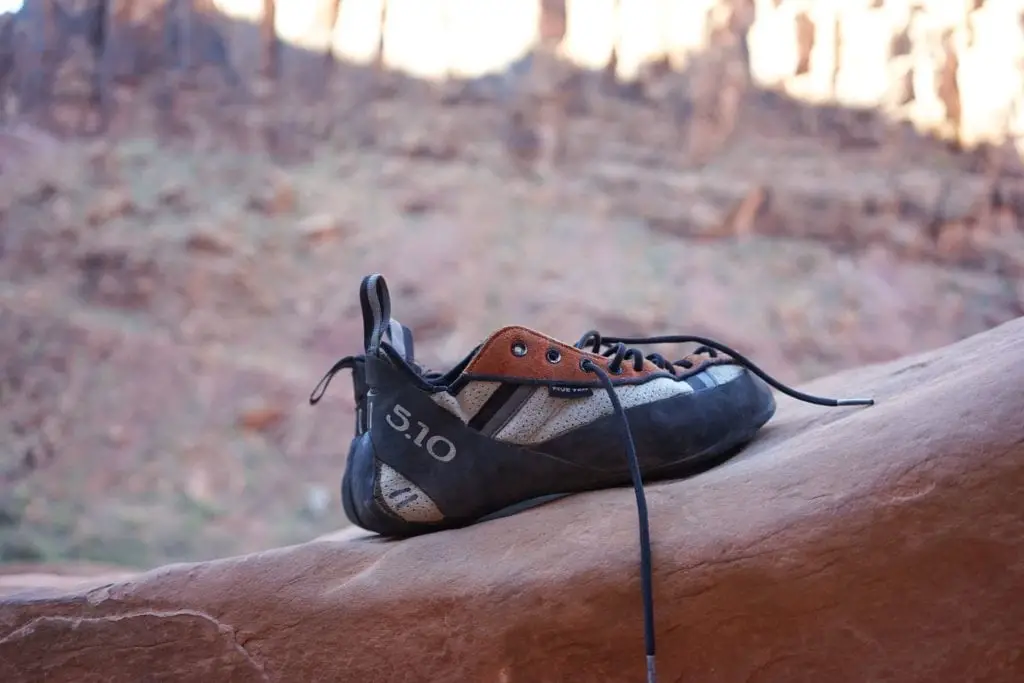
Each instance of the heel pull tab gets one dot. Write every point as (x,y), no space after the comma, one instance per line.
(376,304)
(401,340)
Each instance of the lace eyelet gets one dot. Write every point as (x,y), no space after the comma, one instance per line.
(553,355)
(614,371)
(519,349)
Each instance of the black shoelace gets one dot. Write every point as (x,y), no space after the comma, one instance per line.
(616,349)
(620,353)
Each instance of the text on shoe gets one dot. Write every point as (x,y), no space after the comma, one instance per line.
(438,447)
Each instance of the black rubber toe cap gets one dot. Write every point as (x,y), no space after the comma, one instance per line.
(726,411)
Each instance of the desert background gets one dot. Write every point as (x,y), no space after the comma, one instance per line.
(190,192)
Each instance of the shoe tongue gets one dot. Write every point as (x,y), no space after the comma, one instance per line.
(376,304)
(400,338)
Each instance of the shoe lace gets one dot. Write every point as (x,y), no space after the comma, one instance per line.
(616,348)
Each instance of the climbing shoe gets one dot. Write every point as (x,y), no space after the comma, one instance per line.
(524,416)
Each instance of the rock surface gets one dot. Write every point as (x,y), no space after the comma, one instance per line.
(883,544)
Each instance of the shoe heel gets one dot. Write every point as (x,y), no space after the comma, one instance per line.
(360,495)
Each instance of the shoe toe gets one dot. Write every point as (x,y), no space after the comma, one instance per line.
(733,396)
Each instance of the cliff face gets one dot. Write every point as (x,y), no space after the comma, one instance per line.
(952,67)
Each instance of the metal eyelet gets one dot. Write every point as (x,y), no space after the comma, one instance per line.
(519,349)
(553,355)
(612,371)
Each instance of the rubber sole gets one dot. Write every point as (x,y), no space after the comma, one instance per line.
(688,467)
(346,490)
(692,465)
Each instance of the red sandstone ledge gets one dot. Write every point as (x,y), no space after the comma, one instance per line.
(844,546)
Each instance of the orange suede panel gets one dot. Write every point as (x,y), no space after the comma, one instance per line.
(496,359)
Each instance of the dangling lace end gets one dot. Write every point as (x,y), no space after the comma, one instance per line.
(652,675)
(855,402)
(646,573)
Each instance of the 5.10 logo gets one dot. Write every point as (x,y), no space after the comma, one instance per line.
(438,447)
